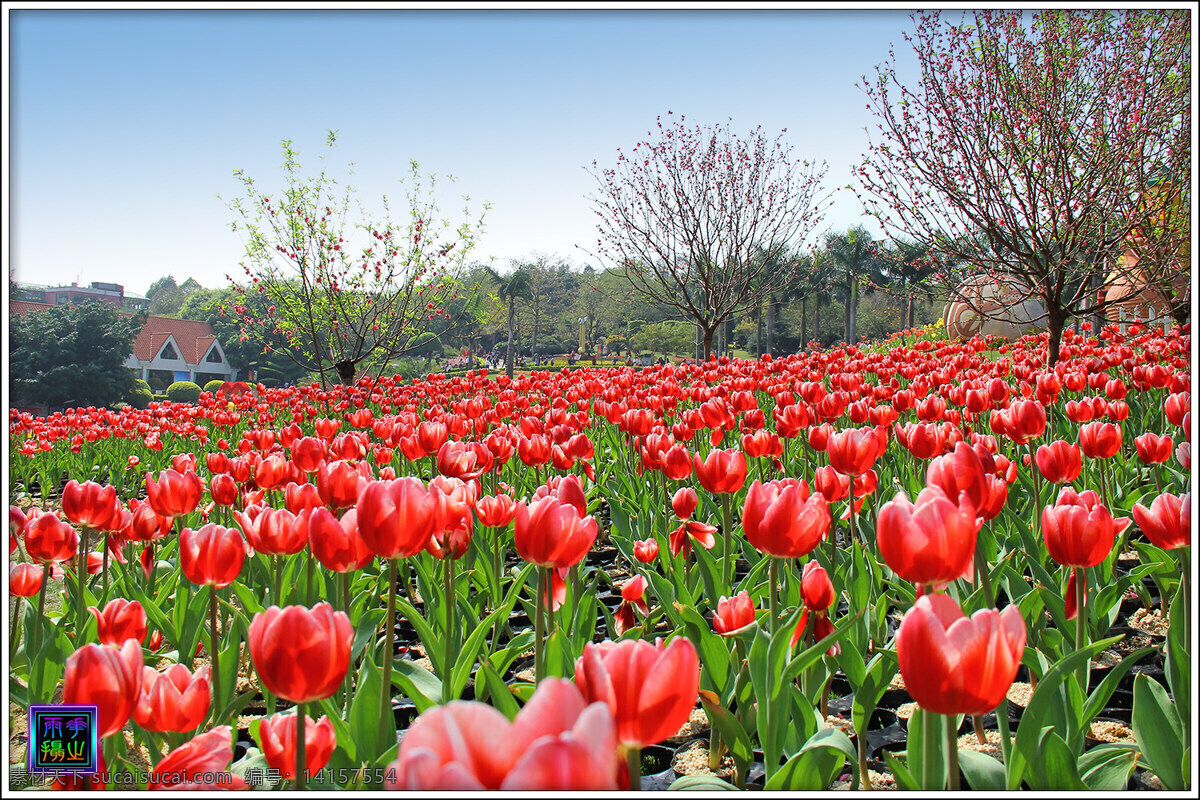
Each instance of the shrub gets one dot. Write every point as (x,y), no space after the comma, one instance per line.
(183,392)
(213,385)
(140,397)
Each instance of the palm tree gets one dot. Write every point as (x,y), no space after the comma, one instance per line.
(854,256)
(515,286)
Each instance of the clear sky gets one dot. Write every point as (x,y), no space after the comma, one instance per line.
(125,125)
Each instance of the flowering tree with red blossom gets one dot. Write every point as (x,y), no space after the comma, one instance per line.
(1038,139)
(696,215)
(344,293)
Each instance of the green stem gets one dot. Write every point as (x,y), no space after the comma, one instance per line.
(153,572)
(984,576)
(727,537)
(853,516)
(864,770)
(346,608)
(80,605)
(1081,625)
(714,749)
(104,573)
(308,592)
(930,724)
(217,697)
(539,626)
(277,599)
(1005,737)
(1185,578)
(448,661)
(386,721)
(16,631)
(301,762)
(773,570)
(633,760)
(952,780)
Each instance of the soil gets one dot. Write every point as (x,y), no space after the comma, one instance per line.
(1020,693)
(1150,621)
(1106,658)
(1111,731)
(692,759)
(882,781)
(845,724)
(905,711)
(696,726)
(970,741)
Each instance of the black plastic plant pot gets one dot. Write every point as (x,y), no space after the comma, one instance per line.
(657,773)
(404,713)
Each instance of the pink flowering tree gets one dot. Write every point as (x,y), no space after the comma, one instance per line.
(342,289)
(1036,139)
(695,216)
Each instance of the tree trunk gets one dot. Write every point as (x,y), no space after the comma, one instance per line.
(708,341)
(803,321)
(816,320)
(758,351)
(912,307)
(771,325)
(853,313)
(537,313)
(1055,320)
(846,320)
(345,371)
(512,312)
(699,341)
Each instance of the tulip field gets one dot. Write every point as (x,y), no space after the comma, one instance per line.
(908,566)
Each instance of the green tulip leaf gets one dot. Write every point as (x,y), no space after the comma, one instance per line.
(1158,731)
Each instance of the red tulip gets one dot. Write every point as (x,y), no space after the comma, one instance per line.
(816,590)
(301,654)
(551,533)
(953,664)
(299,496)
(534,451)
(1168,521)
(397,518)
(924,440)
(632,596)
(223,489)
(212,555)
(271,472)
(121,620)
(50,540)
(145,524)
(1079,531)
(1059,462)
(278,736)
(931,542)
(1100,439)
(784,520)
(1027,420)
(495,512)
(24,580)
(174,494)
(107,677)
(733,614)
(684,502)
(174,700)
(1176,406)
(432,435)
(337,544)
(307,453)
(677,463)
(722,472)
(463,460)
(645,551)
(832,484)
(274,531)
(200,764)
(853,451)
(567,489)
(339,484)
(1153,449)
(89,504)
(681,538)
(557,742)
(649,688)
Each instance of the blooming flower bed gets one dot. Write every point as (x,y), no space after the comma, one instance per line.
(769,558)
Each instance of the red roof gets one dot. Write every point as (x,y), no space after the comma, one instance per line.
(191,336)
(25,306)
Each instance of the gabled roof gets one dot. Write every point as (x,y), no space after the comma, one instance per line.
(25,306)
(192,337)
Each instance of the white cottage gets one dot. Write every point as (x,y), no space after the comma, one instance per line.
(169,350)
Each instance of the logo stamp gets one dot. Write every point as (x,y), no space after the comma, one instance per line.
(63,739)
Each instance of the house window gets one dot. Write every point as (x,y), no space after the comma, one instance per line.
(168,353)
(214,356)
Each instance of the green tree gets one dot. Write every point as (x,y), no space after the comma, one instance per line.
(72,355)
(511,288)
(243,353)
(343,292)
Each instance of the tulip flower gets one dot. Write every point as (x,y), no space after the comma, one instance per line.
(784,521)
(223,490)
(339,483)
(278,736)
(551,533)
(816,590)
(646,550)
(930,542)
(300,496)
(24,579)
(50,540)
(679,540)
(89,504)
(301,654)
(684,502)
(632,596)
(119,621)
(722,472)
(556,742)
(396,518)
(174,494)
(1167,522)
(1079,532)
(107,677)
(211,556)
(495,512)
(463,460)
(145,524)
(336,543)
(1152,448)
(200,764)
(733,614)
(677,463)
(1059,462)
(853,451)
(1100,439)
(954,664)
(175,700)
(649,688)
(274,531)
(307,453)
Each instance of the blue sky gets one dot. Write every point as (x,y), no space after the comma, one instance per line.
(126,125)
